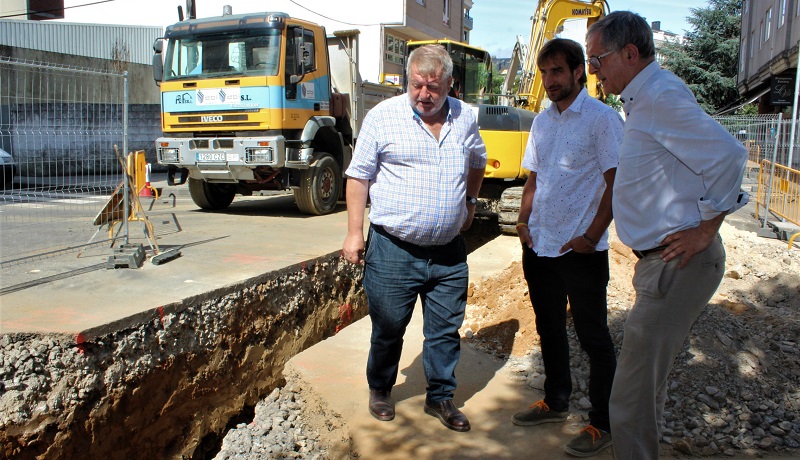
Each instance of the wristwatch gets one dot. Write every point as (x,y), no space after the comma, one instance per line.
(472,200)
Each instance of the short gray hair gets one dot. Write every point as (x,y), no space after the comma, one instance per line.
(624,27)
(430,60)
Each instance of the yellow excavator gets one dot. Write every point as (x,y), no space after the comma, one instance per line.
(505,116)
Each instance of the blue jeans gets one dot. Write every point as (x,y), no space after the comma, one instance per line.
(581,278)
(396,273)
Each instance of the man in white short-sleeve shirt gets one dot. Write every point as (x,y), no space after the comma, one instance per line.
(563,222)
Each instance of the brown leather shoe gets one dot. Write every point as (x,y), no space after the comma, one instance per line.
(449,415)
(380,405)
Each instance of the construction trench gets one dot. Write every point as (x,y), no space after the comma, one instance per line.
(166,383)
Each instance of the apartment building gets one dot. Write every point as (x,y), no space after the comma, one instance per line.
(768,53)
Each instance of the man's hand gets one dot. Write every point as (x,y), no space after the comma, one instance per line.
(525,235)
(470,217)
(353,249)
(579,245)
(687,243)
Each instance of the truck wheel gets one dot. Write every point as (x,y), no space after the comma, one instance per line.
(508,210)
(320,187)
(211,196)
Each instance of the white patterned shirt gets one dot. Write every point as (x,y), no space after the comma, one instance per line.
(677,165)
(417,183)
(569,152)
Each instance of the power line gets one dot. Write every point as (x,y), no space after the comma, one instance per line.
(25,13)
(331,19)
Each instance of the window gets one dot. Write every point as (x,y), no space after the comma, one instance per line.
(421,2)
(201,56)
(761,35)
(768,27)
(753,43)
(744,7)
(395,49)
(782,14)
(446,13)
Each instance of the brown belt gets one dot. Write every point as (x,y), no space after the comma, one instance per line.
(647,252)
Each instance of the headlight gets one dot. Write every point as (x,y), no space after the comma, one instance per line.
(168,155)
(259,155)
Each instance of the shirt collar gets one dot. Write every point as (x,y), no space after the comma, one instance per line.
(631,91)
(574,107)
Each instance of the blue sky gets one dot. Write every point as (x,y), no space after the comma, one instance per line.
(498,22)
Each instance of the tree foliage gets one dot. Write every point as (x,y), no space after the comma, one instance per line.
(707,60)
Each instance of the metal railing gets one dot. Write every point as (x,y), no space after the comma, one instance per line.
(779,191)
(770,147)
(60,125)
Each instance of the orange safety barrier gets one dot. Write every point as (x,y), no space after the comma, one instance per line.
(779,192)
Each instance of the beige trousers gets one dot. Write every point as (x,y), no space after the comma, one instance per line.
(668,301)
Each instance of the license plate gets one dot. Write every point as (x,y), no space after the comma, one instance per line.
(211,157)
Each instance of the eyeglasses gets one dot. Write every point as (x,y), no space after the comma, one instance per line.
(594,61)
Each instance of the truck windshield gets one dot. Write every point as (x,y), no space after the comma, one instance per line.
(204,56)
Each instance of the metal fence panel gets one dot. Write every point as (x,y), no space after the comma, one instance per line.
(61,126)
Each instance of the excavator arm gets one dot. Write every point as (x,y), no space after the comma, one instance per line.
(548,20)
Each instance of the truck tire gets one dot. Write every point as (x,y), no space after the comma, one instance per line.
(508,210)
(211,196)
(320,187)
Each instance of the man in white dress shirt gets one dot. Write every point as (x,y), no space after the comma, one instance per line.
(679,174)
(563,221)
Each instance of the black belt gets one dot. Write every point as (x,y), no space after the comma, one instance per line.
(647,252)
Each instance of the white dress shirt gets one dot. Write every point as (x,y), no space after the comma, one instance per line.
(677,165)
(569,152)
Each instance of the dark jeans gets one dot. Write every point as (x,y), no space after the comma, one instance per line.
(395,274)
(581,278)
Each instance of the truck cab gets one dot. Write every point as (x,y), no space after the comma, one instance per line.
(248,103)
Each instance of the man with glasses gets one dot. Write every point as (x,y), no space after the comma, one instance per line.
(679,174)
(562,224)
(420,160)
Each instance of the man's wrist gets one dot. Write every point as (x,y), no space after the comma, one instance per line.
(589,240)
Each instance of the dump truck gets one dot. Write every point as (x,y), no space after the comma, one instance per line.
(260,101)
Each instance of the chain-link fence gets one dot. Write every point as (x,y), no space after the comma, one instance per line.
(61,127)
(768,139)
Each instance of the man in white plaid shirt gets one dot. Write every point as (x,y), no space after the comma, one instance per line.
(420,160)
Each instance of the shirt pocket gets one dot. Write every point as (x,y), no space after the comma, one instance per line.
(576,151)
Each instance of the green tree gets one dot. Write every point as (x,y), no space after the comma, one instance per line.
(707,60)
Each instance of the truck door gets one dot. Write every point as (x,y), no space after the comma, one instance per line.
(307,83)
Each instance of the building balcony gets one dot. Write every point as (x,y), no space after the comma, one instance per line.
(467,22)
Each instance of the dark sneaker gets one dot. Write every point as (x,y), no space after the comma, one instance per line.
(538,413)
(589,442)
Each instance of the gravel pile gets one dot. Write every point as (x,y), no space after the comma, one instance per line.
(278,431)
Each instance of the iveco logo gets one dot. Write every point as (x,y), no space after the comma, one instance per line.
(209,118)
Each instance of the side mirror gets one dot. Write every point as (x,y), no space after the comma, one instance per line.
(158,63)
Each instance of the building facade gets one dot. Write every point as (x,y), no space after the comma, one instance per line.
(386,29)
(768,53)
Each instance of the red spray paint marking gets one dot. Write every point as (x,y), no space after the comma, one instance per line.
(345,316)
(79,341)
(161,314)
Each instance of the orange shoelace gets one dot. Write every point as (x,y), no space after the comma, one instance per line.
(596,434)
(541,405)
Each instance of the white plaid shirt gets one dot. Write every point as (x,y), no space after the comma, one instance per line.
(417,184)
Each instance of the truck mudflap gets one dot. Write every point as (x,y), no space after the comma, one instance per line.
(184,174)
